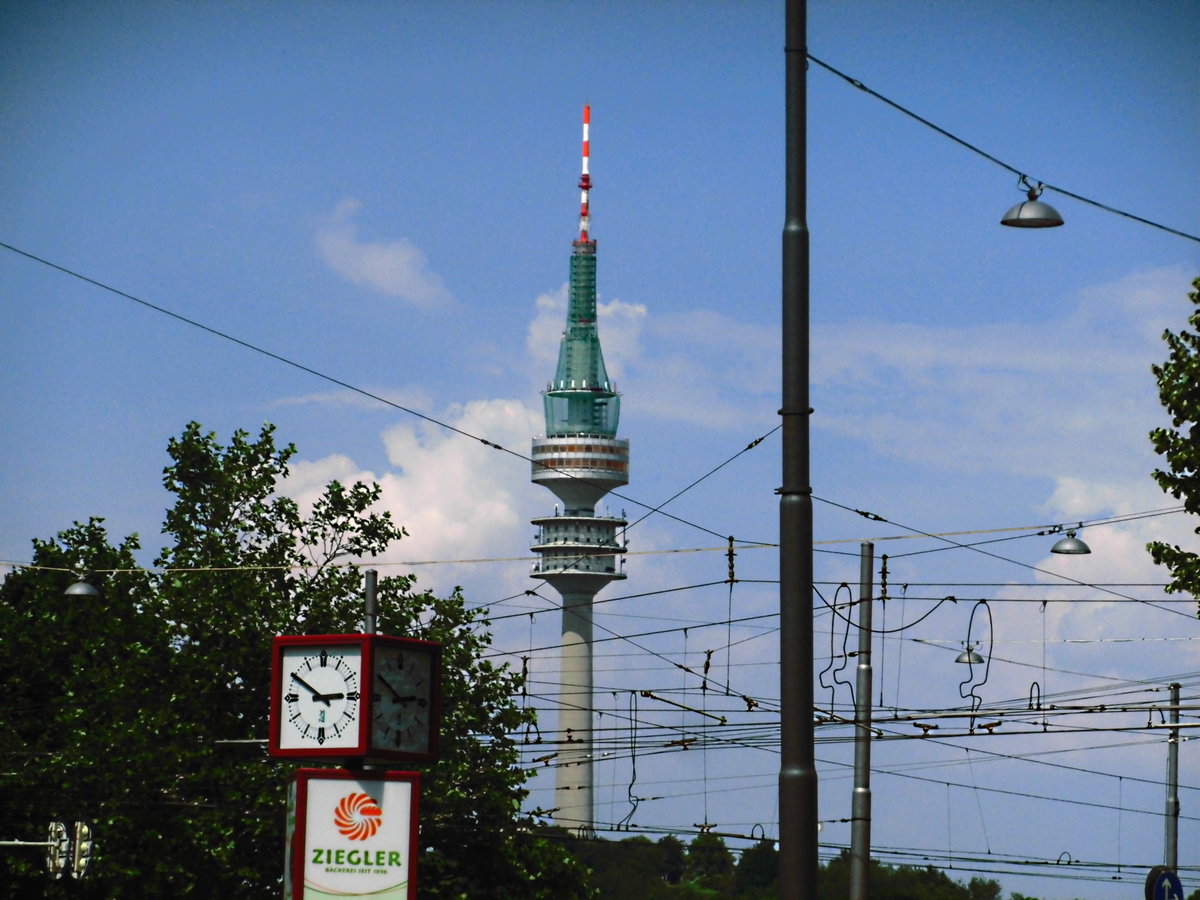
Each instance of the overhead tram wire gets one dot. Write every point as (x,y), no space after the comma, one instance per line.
(962,546)
(1027,531)
(615,636)
(713,739)
(1094,804)
(1030,758)
(854,82)
(650,508)
(1055,529)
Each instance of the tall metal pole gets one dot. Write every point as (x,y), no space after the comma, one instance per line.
(798,865)
(860,805)
(1171,842)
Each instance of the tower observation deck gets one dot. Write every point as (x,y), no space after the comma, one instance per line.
(580,459)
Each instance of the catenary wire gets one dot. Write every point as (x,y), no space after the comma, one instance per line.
(854,82)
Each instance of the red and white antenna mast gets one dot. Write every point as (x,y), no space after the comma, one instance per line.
(585,180)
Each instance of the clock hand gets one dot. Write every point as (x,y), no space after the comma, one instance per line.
(312,690)
(317,695)
(387,684)
(395,694)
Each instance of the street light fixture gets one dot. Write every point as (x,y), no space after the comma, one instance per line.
(969,656)
(1032,212)
(82,589)
(1070,544)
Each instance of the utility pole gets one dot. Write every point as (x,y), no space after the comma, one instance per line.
(798,866)
(860,804)
(1171,840)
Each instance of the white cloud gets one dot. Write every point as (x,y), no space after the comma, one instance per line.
(411,397)
(397,268)
(307,479)
(456,497)
(546,329)
(709,369)
(1059,397)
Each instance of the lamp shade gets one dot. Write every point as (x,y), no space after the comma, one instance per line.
(82,589)
(969,656)
(1070,544)
(1032,213)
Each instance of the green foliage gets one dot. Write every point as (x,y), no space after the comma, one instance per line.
(710,864)
(141,708)
(631,869)
(636,869)
(1179,445)
(906,883)
(757,872)
(82,676)
(674,858)
(983,889)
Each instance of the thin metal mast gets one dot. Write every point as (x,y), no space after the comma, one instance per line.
(585,179)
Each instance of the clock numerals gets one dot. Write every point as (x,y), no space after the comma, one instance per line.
(320,697)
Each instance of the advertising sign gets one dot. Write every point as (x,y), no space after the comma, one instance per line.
(353,834)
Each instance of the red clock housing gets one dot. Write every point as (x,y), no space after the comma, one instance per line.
(355,697)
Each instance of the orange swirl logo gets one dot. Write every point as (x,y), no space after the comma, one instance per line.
(358,817)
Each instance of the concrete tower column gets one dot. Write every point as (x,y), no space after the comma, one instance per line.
(573,779)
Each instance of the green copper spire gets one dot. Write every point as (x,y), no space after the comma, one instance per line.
(581,399)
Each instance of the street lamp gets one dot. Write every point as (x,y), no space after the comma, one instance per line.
(969,656)
(1070,544)
(1031,212)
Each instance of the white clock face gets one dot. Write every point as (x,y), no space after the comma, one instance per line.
(402,689)
(321,696)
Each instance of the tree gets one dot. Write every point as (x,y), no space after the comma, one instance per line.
(1179,391)
(757,871)
(984,889)
(86,680)
(674,858)
(178,664)
(710,864)
(630,869)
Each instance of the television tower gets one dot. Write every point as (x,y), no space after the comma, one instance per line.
(580,459)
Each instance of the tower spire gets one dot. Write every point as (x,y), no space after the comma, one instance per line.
(585,180)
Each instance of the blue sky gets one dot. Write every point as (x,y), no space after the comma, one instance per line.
(386,193)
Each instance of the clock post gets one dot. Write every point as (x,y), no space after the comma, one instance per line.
(364,701)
